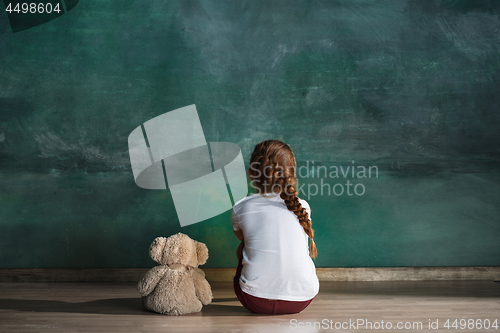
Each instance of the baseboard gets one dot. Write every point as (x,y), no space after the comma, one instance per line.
(491,273)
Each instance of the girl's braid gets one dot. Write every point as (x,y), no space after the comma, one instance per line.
(276,163)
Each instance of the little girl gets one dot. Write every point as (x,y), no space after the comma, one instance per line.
(275,274)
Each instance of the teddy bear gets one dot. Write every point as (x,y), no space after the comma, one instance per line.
(177,286)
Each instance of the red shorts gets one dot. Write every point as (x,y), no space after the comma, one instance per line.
(264,305)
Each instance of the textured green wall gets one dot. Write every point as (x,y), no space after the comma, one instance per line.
(411,87)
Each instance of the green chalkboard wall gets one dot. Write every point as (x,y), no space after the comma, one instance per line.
(408,88)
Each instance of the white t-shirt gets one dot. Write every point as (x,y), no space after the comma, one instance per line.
(276,262)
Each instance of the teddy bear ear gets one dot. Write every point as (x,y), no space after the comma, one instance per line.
(156,248)
(201,253)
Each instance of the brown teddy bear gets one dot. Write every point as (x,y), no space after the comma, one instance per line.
(177,286)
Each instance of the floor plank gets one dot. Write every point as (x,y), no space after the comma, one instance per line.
(117,307)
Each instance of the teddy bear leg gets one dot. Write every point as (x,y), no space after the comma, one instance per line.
(203,290)
(192,307)
(147,304)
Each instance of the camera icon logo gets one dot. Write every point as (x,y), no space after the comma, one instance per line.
(205,179)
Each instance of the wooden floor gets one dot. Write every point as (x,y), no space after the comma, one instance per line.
(92,307)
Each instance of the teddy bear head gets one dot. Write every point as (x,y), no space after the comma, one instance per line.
(178,249)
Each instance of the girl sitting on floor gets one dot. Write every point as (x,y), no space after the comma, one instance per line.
(275,274)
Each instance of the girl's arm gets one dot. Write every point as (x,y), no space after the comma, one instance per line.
(239,251)
(236,225)
(239,234)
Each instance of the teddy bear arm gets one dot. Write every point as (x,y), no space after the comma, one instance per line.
(150,280)
(202,288)
(199,271)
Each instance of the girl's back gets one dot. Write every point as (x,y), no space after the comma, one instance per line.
(276,261)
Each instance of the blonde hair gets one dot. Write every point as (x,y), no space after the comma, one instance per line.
(272,171)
